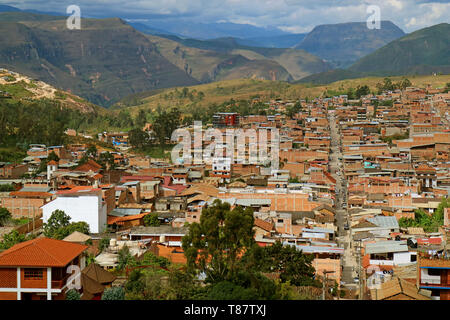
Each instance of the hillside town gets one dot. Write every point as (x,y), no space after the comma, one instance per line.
(362,186)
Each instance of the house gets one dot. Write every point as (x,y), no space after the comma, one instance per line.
(389,253)
(38,269)
(80,204)
(12,171)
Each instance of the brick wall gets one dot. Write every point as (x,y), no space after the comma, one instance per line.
(23,207)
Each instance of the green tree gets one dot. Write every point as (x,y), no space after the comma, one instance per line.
(362,91)
(292,264)
(5,216)
(104,244)
(124,258)
(12,239)
(58,220)
(213,245)
(58,226)
(52,157)
(91,151)
(141,119)
(138,138)
(106,160)
(151,220)
(165,124)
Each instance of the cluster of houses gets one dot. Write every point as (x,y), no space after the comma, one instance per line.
(296,203)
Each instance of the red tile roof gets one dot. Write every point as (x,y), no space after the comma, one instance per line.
(41,252)
(91,165)
(267,226)
(78,189)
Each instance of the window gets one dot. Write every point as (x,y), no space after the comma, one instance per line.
(434,272)
(33,274)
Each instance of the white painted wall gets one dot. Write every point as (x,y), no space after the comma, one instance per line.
(402,257)
(87,208)
(427,278)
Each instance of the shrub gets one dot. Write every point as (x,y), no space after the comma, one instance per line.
(114,293)
(72,294)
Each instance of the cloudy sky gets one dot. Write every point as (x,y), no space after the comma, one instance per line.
(288,15)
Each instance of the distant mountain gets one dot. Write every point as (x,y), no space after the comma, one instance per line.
(281,41)
(421,52)
(5,8)
(150,30)
(343,44)
(205,31)
(103,62)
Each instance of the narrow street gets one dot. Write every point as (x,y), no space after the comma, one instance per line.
(348,261)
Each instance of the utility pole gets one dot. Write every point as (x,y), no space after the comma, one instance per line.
(325,283)
(360,273)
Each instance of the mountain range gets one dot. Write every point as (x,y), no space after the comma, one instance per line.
(110,59)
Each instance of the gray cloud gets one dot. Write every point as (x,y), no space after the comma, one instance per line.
(288,15)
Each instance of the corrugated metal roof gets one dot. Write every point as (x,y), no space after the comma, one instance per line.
(316,249)
(253,202)
(386,246)
(121,212)
(384,222)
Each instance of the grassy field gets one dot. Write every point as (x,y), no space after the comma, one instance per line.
(244,89)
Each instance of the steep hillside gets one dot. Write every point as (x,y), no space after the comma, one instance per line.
(207,65)
(103,62)
(15,87)
(298,63)
(421,52)
(344,43)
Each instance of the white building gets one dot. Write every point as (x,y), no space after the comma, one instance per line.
(81,204)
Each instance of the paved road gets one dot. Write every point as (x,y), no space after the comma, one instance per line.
(348,260)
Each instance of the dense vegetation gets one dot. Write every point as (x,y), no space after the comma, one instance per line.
(429,222)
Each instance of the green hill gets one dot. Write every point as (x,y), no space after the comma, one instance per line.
(422,52)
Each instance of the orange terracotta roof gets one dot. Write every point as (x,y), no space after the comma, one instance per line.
(263,224)
(41,252)
(78,189)
(118,220)
(53,163)
(91,165)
